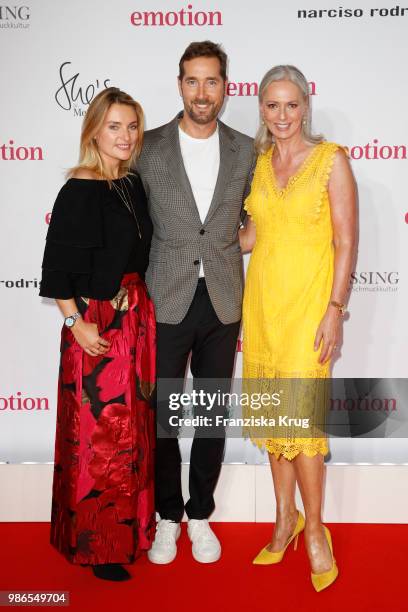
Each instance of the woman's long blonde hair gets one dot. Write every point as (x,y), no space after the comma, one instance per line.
(263,138)
(89,156)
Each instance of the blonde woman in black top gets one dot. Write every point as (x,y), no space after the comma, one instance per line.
(95,258)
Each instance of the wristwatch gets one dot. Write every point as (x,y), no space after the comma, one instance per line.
(70,321)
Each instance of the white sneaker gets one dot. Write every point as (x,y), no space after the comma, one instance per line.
(164,547)
(206,546)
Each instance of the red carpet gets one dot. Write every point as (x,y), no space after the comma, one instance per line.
(372,561)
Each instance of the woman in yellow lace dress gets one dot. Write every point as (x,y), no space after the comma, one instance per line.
(301,231)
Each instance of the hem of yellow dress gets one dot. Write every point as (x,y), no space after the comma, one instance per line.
(293,449)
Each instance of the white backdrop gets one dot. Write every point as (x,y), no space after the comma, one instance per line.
(57,55)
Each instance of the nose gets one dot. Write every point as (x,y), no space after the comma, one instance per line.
(201,90)
(282,112)
(126,135)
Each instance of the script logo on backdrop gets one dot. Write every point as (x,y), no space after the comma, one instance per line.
(74,94)
(183,18)
(236,88)
(16,17)
(362,280)
(10,152)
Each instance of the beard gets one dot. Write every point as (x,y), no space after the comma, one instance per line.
(203,117)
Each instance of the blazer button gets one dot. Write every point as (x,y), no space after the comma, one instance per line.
(196,262)
(202,231)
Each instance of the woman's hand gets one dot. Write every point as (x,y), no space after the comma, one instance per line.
(247,236)
(327,334)
(88,338)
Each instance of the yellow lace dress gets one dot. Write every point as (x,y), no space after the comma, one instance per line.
(287,290)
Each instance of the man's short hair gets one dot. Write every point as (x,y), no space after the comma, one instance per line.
(204,49)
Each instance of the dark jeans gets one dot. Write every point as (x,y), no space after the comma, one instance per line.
(212,346)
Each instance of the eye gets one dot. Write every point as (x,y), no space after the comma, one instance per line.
(113,127)
(212,82)
(272,105)
(191,82)
(133,127)
(293,105)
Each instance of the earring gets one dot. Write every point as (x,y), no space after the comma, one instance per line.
(262,121)
(304,121)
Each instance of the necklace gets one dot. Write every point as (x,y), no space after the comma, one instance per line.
(123,193)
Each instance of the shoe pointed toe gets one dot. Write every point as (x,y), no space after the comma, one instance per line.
(265,557)
(324,580)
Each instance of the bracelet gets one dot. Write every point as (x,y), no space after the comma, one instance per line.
(340,307)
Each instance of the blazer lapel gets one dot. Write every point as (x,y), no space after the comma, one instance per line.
(228,150)
(170,146)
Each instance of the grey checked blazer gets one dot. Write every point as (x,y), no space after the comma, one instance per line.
(180,240)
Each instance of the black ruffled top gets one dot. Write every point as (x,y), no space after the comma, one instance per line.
(93,239)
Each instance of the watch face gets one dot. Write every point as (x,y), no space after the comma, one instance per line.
(69,321)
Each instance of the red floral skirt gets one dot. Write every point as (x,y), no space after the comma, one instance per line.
(103,497)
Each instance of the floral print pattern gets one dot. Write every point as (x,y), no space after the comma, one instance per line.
(103,500)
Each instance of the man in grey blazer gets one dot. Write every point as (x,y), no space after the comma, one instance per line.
(196,172)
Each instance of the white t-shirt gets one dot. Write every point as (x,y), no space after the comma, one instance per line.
(201,157)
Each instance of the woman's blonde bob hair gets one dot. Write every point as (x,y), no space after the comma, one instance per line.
(89,156)
(264,138)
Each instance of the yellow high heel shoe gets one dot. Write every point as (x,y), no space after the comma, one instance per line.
(322,581)
(265,557)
